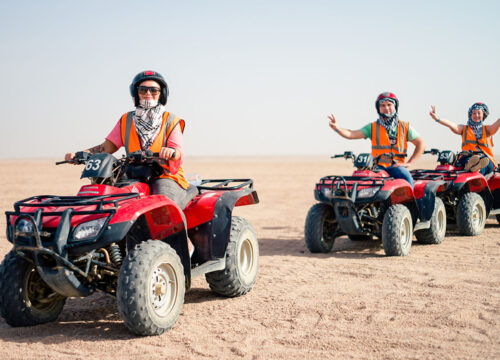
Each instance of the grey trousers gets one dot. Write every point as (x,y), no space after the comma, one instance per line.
(170,189)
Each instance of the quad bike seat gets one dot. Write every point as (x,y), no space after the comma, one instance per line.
(191,192)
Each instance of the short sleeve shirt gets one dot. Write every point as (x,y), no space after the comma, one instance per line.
(412,133)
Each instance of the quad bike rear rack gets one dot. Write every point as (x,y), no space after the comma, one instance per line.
(225,184)
(446,175)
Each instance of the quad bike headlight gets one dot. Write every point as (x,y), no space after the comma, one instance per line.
(327,191)
(88,229)
(368,192)
(25,227)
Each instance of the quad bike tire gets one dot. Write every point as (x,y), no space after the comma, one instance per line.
(151,287)
(25,299)
(471,214)
(319,228)
(242,262)
(435,234)
(397,230)
(361,237)
(498,218)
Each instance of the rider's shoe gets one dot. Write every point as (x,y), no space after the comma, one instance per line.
(473,161)
(481,164)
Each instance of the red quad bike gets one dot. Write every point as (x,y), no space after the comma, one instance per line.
(469,197)
(117,238)
(371,203)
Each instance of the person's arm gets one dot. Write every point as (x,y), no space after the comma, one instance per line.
(419,150)
(457,129)
(494,127)
(174,146)
(346,133)
(106,147)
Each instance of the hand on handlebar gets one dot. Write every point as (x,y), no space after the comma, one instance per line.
(168,153)
(77,158)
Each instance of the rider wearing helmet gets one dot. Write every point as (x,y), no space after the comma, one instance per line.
(388,134)
(476,137)
(155,129)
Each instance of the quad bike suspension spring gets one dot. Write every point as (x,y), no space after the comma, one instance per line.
(115,254)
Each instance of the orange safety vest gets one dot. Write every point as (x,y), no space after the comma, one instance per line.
(132,143)
(484,144)
(382,145)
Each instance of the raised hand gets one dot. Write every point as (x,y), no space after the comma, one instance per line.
(333,123)
(433,113)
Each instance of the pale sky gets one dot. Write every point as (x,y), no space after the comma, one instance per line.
(249,77)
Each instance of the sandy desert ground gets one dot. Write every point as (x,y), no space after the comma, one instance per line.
(440,302)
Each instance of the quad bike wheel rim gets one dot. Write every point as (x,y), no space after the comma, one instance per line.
(327,230)
(246,258)
(39,295)
(441,218)
(405,231)
(477,215)
(163,289)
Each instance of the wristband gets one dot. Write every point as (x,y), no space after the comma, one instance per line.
(438,119)
(337,130)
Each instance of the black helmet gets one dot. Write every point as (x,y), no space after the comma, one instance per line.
(149,75)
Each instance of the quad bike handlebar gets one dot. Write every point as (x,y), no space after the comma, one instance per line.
(136,157)
(362,161)
(449,157)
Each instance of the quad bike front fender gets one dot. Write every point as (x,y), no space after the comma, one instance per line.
(161,219)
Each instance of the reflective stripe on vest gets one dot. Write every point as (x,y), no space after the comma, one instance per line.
(483,144)
(381,143)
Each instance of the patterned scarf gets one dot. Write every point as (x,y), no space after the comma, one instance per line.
(476,126)
(388,121)
(148,124)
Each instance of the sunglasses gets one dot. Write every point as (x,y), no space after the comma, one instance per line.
(143,90)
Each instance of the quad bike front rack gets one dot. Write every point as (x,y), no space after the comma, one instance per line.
(50,245)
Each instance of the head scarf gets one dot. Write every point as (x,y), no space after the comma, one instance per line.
(388,121)
(477,126)
(148,123)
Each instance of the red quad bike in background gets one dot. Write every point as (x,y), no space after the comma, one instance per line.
(117,238)
(370,203)
(469,197)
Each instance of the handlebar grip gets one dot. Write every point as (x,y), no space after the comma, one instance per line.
(62,162)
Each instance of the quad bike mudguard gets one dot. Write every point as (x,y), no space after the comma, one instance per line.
(425,195)
(494,185)
(208,217)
